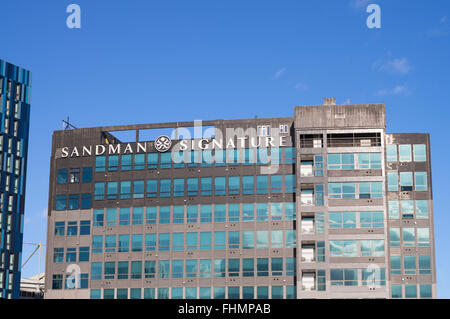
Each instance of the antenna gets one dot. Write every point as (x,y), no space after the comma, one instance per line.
(67,125)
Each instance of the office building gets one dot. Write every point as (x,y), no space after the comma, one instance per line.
(324,204)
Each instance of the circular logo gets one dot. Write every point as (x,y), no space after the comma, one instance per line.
(163,143)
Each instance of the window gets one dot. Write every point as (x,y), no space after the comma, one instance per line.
(248,185)
(72,228)
(394,237)
(392,178)
(61,177)
(369,160)
(396,266)
(192,214)
(152,188)
(165,187)
(343,248)
(262,212)
(342,220)
(344,277)
(318,165)
(111,217)
(126,162)
(421,181)
(125,189)
(166,160)
(425,291)
(424,265)
(74,175)
(289,155)
(178,187)
(151,215)
(191,268)
(421,209)
(219,213)
(423,237)
(177,268)
(373,276)
(207,159)
(373,248)
(205,241)
(234,212)
(138,189)
(219,186)
(263,130)
(192,186)
(206,186)
(124,216)
(83,254)
(262,184)
(420,154)
(391,153)
(164,214)
(289,183)
(406,181)
(404,153)
(205,213)
(371,219)
(86,201)
(394,210)
(370,190)
(136,242)
(150,242)
(205,268)
(409,265)
(58,255)
(139,161)
(110,243)
(60,228)
(248,239)
(71,255)
(219,268)
(283,128)
(276,211)
(124,243)
(262,267)
(57,282)
(262,239)
(138,215)
(276,183)
(152,160)
(113,163)
(233,267)
(97,244)
(341,161)
(277,266)
(99,191)
(96,271)
(178,214)
(85,227)
(60,202)
(112,190)
(234,186)
(248,212)
(397,291)
(407,208)
(341,190)
(100,163)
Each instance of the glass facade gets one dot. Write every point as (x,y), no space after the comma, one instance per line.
(15,86)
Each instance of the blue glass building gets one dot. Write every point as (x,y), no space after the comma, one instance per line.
(15,88)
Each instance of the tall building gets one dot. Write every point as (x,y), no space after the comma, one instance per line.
(324,204)
(15,89)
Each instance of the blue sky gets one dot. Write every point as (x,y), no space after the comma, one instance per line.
(145,61)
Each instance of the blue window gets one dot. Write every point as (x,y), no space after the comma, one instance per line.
(100,163)
(262,156)
(111,217)
(124,243)
(112,190)
(289,155)
(290,211)
(391,153)
(192,214)
(248,185)
(149,270)
(404,153)
(99,191)
(138,215)
(206,186)
(61,177)
(342,220)
(276,211)
(262,213)
(344,161)
(192,186)
(58,255)
(370,190)
(151,215)
(318,165)
(177,272)
(276,183)
(124,216)
(86,176)
(205,241)
(97,244)
(178,159)
(249,157)
(178,187)
(219,185)
(139,161)
(233,156)
(152,160)
(262,267)
(83,255)
(136,242)
(152,188)
(248,212)
(126,162)
(96,271)
(219,240)
(233,239)
(177,241)
(219,213)
(420,154)
(234,212)
(166,160)
(191,241)
(86,201)
(72,228)
(178,214)
(341,190)
(205,213)
(219,158)
(392,178)
(248,268)
(60,228)
(138,189)
(125,189)
(150,242)
(71,255)
(193,158)
(85,227)
(289,183)
(420,181)
(74,201)
(164,242)
(60,202)
(165,188)
(113,163)
(207,159)
(262,184)
(234,185)
(164,214)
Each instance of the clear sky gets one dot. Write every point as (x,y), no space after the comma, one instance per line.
(145,61)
